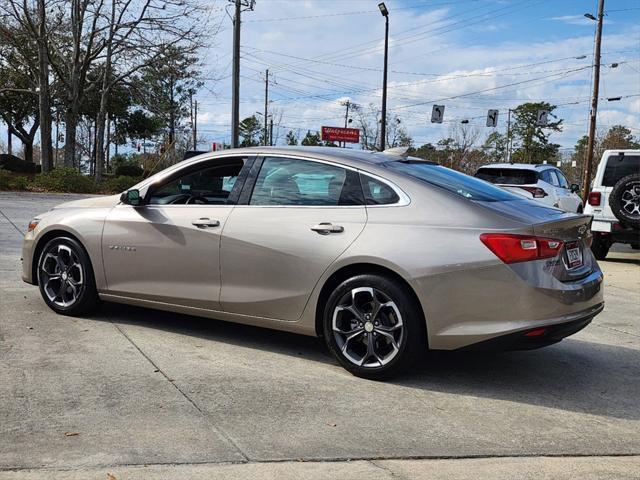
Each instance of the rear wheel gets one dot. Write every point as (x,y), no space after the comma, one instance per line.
(600,246)
(373,327)
(65,277)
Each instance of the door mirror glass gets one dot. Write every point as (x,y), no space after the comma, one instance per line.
(131,197)
(575,188)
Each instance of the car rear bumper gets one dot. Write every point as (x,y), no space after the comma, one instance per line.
(475,306)
(538,337)
(616,233)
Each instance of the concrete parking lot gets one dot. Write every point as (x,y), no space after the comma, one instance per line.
(144,394)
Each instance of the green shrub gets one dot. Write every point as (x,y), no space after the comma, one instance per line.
(5,179)
(19,183)
(11,181)
(64,179)
(129,170)
(119,184)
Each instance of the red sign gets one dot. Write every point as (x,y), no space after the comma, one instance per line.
(338,134)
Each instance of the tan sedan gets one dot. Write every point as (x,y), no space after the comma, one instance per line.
(381,254)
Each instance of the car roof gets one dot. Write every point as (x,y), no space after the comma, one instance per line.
(346,156)
(519,166)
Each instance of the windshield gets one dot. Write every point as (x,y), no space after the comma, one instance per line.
(455,182)
(619,166)
(507,176)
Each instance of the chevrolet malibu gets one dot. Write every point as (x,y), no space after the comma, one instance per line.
(381,254)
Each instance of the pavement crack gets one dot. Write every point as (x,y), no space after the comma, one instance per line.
(14,225)
(616,330)
(172,382)
(386,469)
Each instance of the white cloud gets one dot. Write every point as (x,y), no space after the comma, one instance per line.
(309,92)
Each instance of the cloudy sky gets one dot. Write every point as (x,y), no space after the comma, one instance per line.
(469,55)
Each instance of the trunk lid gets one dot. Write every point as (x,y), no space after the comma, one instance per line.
(575,260)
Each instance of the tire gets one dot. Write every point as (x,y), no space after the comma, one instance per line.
(600,247)
(580,209)
(396,334)
(65,277)
(624,200)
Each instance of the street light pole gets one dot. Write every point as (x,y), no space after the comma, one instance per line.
(383,122)
(586,182)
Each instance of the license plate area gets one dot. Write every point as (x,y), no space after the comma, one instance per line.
(574,255)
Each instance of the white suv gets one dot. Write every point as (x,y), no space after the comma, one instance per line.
(544,183)
(614,201)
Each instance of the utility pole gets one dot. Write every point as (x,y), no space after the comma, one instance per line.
(383,123)
(266,103)
(195,125)
(346,119)
(271,131)
(508,152)
(235,94)
(235,89)
(594,103)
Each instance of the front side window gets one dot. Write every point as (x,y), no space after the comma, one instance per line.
(206,186)
(289,182)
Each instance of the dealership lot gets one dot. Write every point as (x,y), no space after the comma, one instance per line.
(129,389)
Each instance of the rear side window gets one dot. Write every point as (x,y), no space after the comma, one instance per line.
(289,182)
(507,176)
(377,192)
(619,166)
(455,182)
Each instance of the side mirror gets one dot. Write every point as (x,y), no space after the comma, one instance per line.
(575,188)
(131,197)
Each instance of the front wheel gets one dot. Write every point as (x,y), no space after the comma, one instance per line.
(373,327)
(65,277)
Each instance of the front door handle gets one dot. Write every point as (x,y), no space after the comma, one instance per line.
(205,223)
(326,228)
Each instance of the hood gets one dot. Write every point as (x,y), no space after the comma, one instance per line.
(92,202)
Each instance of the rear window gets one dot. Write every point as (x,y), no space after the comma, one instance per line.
(507,176)
(456,182)
(619,166)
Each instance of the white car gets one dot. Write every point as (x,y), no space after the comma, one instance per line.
(541,182)
(614,201)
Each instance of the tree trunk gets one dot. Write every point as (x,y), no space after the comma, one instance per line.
(172,119)
(28,152)
(71,124)
(106,88)
(46,158)
(9,141)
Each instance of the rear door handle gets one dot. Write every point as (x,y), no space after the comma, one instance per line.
(326,228)
(205,223)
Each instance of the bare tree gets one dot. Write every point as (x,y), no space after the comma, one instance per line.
(139,33)
(25,27)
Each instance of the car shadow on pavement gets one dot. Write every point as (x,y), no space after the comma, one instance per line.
(631,261)
(574,375)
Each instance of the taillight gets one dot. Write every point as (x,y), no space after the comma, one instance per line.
(512,248)
(594,199)
(537,192)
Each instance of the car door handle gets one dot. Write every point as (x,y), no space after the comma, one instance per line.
(326,228)
(205,223)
